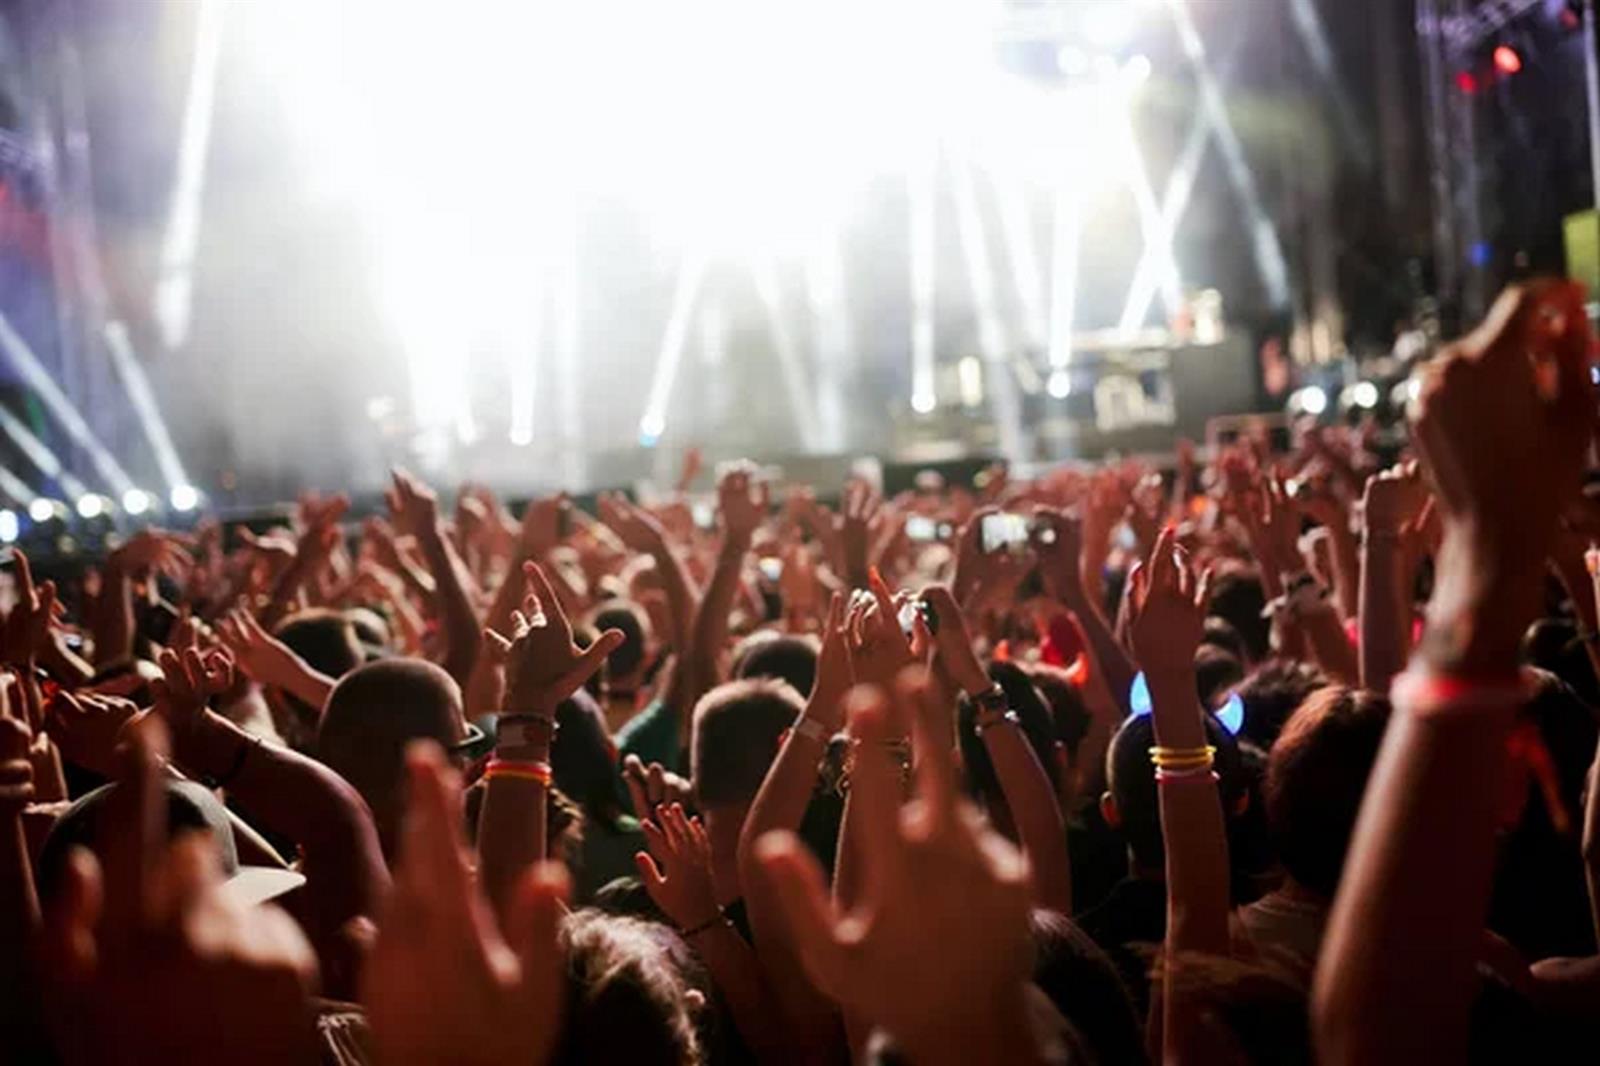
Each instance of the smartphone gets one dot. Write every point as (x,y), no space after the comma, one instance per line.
(1043,531)
(921,528)
(771,568)
(911,610)
(1004,532)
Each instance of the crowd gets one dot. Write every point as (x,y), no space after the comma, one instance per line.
(1269,758)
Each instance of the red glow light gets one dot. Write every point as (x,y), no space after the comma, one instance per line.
(1466,82)
(1506,59)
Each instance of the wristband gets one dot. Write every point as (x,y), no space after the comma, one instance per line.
(238,763)
(521,770)
(1198,773)
(1183,760)
(1427,694)
(525,730)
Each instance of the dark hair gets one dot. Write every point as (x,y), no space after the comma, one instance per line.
(326,639)
(373,714)
(1067,709)
(628,617)
(1237,598)
(1215,672)
(1272,692)
(627,993)
(1316,775)
(1082,982)
(1552,644)
(1131,780)
(1219,633)
(779,656)
(583,759)
(735,738)
(1034,716)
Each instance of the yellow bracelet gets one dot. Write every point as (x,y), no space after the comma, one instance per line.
(1160,752)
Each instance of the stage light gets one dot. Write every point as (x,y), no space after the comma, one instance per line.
(1060,385)
(185,498)
(43,509)
(8,525)
(91,506)
(923,402)
(1311,400)
(1136,71)
(1110,23)
(969,378)
(136,501)
(922,199)
(1507,60)
(1466,81)
(1364,394)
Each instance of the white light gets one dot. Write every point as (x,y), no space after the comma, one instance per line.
(923,402)
(1365,394)
(42,510)
(8,525)
(136,501)
(1109,24)
(1060,384)
(651,426)
(91,506)
(1136,71)
(185,498)
(1311,399)
(969,375)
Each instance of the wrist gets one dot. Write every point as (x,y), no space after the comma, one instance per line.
(1003,1031)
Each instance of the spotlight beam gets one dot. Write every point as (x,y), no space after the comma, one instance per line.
(1265,246)
(39,380)
(790,362)
(40,455)
(137,386)
(691,274)
(922,198)
(833,339)
(1066,234)
(1314,37)
(567,325)
(1157,234)
(1025,275)
(175,284)
(524,366)
(17,489)
(993,342)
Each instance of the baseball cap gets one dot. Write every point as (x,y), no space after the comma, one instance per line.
(190,808)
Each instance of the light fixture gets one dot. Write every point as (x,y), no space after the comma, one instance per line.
(136,501)
(91,506)
(185,497)
(42,509)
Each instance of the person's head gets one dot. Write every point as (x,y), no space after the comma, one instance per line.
(1271,693)
(1219,633)
(1237,598)
(1131,805)
(1552,644)
(1316,775)
(326,639)
(191,809)
(373,713)
(1068,712)
(372,632)
(782,657)
(1083,984)
(1033,714)
(584,759)
(737,727)
(626,663)
(628,996)
(1215,672)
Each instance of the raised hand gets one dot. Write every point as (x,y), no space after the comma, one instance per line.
(1058,545)
(87,727)
(1168,606)
(943,976)
(676,871)
(742,502)
(190,680)
(25,629)
(542,525)
(861,510)
(148,956)
(878,647)
(16,769)
(543,664)
(413,506)
(444,982)
(637,528)
(1504,421)
(653,785)
(153,550)
(1394,498)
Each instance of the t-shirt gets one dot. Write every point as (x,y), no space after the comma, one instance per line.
(1286,929)
(652,735)
(607,854)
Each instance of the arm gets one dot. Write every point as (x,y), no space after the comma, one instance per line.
(781,804)
(269,661)
(543,666)
(288,794)
(416,510)
(316,544)
(1384,617)
(741,514)
(1169,610)
(1058,541)
(19,906)
(1395,980)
